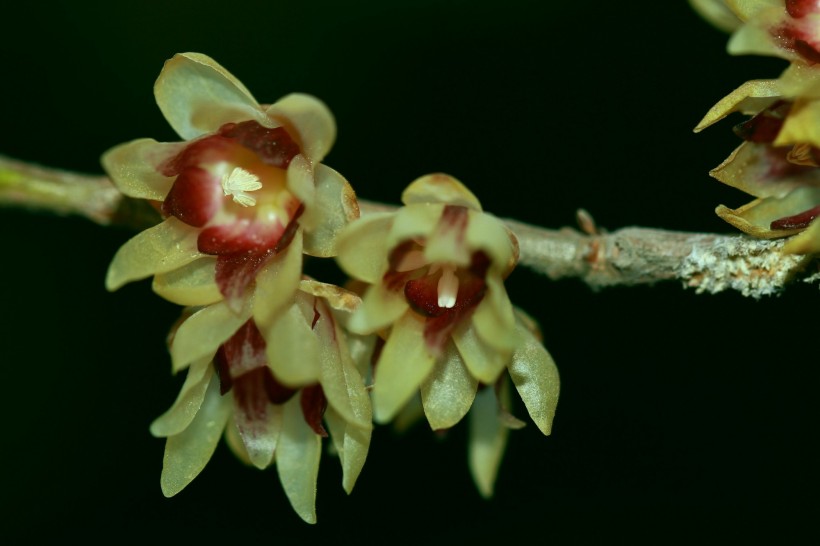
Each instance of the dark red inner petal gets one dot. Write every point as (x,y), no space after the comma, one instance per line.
(797,221)
(314,405)
(239,236)
(209,149)
(765,126)
(274,146)
(801,8)
(194,198)
(807,51)
(778,165)
(422,295)
(236,270)
(243,360)
(250,394)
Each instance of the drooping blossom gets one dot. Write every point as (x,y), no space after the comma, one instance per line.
(240,385)
(234,193)
(435,270)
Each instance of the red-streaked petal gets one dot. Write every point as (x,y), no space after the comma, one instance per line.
(258,421)
(800,220)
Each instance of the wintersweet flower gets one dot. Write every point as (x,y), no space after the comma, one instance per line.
(778,162)
(234,193)
(436,269)
(234,385)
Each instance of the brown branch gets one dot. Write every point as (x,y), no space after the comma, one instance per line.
(629,256)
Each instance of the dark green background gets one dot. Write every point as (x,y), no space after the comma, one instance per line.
(674,405)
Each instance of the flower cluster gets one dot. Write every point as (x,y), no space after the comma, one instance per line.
(779,160)
(276,360)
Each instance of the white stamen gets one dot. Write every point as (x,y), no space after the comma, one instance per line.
(447,287)
(239,181)
(413,259)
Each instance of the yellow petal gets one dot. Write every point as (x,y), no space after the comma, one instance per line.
(312,121)
(192,284)
(486,232)
(335,207)
(449,391)
(341,382)
(483,362)
(351,443)
(802,125)
(292,347)
(187,453)
(300,182)
(487,440)
(414,221)
(717,13)
(379,309)
(362,247)
(807,242)
(750,98)
(203,332)
(197,96)
(297,460)
(404,363)
(187,404)
(440,188)
(277,282)
(493,318)
(338,298)
(259,439)
(750,168)
(159,249)
(535,376)
(134,167)
(755,218)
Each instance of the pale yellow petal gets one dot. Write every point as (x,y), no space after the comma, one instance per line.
(750,98)
(277,282)
(362,247)
(412,222)
(352,444)
(187,404)
(807,242)
(486,232)
(292,348)
(379,309)
(197,96)
(440,188)
(134,167)
(483,362)
(300,182)
(193,284)
(487,441)
(312,121)
(259,438)
(762,171)
(802,125)
(342,384)
(187,453)
(297,460)
(755,218)
(158,249)
(404,363)
(717,13)
(203,332)
(535,376)
(335,207)
(449,391)
(493,318)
